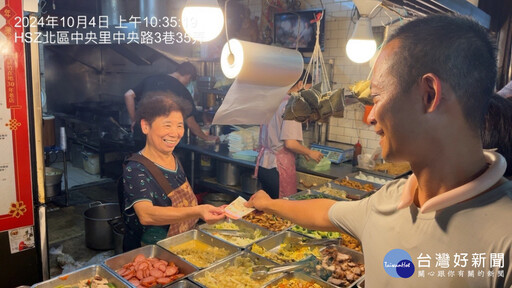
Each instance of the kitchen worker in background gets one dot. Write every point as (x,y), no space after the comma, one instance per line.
(148,207)
(279,141)
(176,83)
(429,107)
(496,132)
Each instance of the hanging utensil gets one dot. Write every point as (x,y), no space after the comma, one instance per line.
(261,271)
(321,242)
(118,125)
(230,232)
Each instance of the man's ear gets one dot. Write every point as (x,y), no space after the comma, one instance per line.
(144,125)
(431,91)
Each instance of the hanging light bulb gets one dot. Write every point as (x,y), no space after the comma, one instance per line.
(202,19)
(361,46)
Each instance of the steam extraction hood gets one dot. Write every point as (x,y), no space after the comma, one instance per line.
(426,7)
(145,54)
(114,10)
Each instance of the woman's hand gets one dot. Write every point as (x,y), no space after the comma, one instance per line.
(211,214)
(259,200)
(314,155)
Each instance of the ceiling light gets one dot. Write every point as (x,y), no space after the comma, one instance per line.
(361,46)
(202,19)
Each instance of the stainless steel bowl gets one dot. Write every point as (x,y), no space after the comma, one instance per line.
(228,173)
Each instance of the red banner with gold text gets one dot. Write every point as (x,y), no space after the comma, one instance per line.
(16,206)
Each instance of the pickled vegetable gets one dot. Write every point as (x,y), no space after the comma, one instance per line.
(234,275)
(199,253)
(295,283)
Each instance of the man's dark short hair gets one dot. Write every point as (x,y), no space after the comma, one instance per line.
(187,68)
(496,130)
(456,49)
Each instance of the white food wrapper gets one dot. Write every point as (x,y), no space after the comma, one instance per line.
(236,209)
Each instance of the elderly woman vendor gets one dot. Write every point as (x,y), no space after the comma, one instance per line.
(148,206)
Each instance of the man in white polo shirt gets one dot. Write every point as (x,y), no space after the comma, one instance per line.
(448,225)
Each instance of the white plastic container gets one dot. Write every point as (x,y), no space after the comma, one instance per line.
(91,162)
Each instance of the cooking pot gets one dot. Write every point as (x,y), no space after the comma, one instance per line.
(216,130)
(52,181)
(218,199)
(98,231)
(228,173)
(249,185)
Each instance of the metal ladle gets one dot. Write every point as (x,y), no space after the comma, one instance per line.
(261,271)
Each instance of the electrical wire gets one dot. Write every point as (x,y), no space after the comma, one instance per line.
(226,26)
(371,12)
(394,11)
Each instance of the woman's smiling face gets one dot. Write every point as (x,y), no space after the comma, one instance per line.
(165,132)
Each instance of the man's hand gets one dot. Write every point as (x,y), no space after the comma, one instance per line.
(211,214)
(259,201)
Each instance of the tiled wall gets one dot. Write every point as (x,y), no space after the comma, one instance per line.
(338,28)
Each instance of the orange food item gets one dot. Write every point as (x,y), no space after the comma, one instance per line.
(64,277)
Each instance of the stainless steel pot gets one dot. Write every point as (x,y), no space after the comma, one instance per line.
(218,199)
(216,130)
(52,179)
(228,173)
(98,231)
(249,185)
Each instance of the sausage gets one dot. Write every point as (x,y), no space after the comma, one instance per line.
(163,280)
(148,281)
(139,258)
(139,274)
(170,270)
(134,281)
(156,273)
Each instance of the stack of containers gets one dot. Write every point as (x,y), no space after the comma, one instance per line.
(244,139)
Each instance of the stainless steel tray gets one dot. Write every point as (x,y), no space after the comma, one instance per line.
(383,174)
(296,229)
(243,225)
(183,284)
(82,274)
(325,235)
(352,194)
(376,186)
(301,276)
(310,180)
(273,243)
(360,283)
(352,176)
(275,227)
(303,195)
(117,262)
(221,266)
(357,257)
(200,236)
